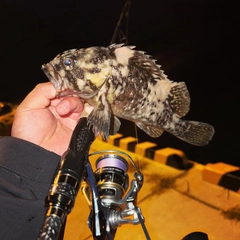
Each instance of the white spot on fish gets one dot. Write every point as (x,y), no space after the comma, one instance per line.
(123,54)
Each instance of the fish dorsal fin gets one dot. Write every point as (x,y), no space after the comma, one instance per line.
(145,62)
(179,99)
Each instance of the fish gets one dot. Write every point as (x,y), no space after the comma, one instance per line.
(121,82)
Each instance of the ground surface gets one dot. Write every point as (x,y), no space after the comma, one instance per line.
(172,206)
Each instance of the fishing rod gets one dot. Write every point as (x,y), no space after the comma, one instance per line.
(113,202)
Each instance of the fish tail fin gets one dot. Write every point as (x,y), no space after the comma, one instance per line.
(193,132)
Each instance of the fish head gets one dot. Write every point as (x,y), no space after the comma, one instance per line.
(75,72)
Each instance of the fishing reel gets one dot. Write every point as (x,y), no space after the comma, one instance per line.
(111,194)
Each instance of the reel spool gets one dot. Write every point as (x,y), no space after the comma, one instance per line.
(111,177)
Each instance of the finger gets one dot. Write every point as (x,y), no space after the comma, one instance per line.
(40,96)
(70,105)
(88,108)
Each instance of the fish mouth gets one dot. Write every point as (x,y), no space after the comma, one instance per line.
(62,86)
(58,82)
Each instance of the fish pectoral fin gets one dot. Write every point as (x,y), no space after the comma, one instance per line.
(179,99)
(150,130)
(114,125)
(100,118)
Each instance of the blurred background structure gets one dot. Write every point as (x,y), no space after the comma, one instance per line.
(194,41)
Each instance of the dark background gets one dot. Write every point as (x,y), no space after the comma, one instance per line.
(194,41)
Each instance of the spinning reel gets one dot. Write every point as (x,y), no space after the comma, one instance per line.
(116,199)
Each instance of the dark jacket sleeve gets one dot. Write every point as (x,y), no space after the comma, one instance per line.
(26,174)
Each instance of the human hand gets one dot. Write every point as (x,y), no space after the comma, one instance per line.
(45,120)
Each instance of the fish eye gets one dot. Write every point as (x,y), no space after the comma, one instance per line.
(68,63)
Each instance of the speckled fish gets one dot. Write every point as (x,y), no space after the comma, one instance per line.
(119,81)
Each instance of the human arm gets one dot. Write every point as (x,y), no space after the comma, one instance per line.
(29,159)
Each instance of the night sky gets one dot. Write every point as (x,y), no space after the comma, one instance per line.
(194,41)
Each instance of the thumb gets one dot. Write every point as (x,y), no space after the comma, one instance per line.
(70,106)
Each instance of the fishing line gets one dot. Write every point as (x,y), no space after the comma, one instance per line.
(121,31)
(136,135)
